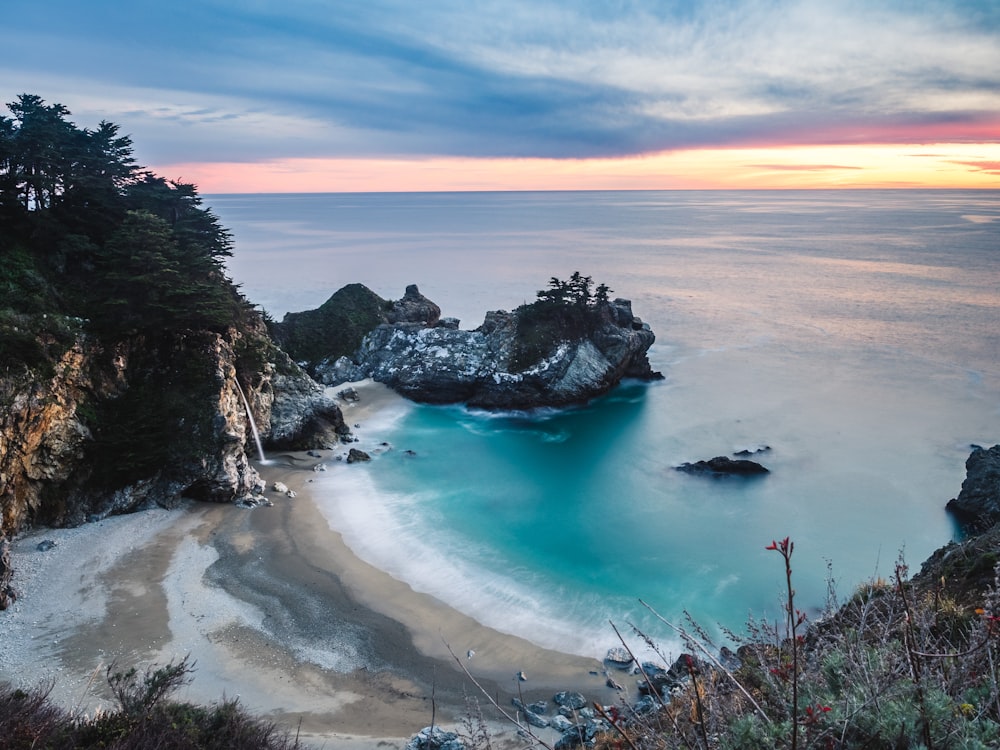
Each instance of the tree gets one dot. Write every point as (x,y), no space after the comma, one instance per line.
(557,292)
(601,294)
(102,170)
(150,283)
(579,288)
(140,248)
(38,154)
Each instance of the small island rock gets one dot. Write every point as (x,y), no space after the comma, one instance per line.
(554,352)
(721,466)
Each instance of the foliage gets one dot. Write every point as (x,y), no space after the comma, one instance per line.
(33,343)
(896,666)
(151,283)
(89,233)
(336,328)
(172,385)
(567,311)
(145,718)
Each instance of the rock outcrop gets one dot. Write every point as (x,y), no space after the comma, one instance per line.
(723,466)
(509,362)
(977,506)
(338,326)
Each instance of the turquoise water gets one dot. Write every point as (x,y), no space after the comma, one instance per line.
(853,332)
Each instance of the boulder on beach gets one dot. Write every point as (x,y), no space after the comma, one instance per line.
(569,700)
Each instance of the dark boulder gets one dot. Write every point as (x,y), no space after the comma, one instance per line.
(722,466)
(569,700)
(977,506)
(355,456)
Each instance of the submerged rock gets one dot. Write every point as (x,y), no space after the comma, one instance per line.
(723,466)
(752,451)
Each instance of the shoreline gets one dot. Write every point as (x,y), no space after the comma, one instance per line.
(273,607)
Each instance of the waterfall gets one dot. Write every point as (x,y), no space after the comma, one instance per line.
(253,424)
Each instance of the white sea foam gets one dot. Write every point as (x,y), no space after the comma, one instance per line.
(393,534)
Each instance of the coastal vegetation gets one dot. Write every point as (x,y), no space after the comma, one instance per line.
(568,310)
(89,234)
(902,663)
(145,716)
(334,329)
(119,328)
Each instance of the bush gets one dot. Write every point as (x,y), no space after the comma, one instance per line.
(897,666)
(145,718)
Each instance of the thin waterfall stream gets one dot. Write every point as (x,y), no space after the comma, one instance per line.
(253,424)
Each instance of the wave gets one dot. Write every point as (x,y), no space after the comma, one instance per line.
(400,535)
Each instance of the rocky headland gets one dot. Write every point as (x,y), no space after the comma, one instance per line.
(554,352)
(977,506)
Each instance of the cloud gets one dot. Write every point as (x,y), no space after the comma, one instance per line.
(988,167)
(802,167)
(256,80)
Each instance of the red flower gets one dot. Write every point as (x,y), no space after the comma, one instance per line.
(784,546)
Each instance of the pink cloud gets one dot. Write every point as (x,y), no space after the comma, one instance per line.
(987,167)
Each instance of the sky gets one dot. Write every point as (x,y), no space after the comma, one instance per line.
(385,95)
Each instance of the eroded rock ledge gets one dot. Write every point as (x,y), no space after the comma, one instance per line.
(531,357)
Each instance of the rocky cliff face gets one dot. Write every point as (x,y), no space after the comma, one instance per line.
(108,428)
(441,364)
(977,506)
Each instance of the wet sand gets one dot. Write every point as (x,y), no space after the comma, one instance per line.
(274,608)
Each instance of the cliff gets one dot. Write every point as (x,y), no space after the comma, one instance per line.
(111,425)
(977,506)
(128,359)
(545,354)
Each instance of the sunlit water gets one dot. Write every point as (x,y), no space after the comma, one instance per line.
(857,333)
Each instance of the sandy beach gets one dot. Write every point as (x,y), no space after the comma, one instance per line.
(272,607)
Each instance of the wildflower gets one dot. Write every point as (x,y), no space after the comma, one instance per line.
(814,714)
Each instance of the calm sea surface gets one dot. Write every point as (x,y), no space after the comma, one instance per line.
(857,333)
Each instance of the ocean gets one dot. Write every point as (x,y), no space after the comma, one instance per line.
(855,333)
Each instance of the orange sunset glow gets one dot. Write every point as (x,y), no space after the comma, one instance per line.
(938,165)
